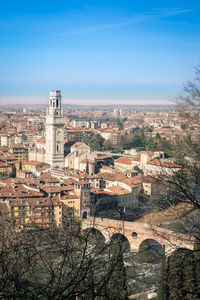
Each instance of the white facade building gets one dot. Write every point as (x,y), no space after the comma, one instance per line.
(55,131)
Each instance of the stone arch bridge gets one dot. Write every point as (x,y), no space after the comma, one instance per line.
(136,233)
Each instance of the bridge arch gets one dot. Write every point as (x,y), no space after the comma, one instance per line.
(92,232)
(150,250)
(138,234)
(149,242)
(151,247)
(121,238)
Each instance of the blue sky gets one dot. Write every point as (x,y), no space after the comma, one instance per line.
(97,51)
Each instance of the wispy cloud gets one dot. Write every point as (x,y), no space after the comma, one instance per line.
(171,11)
(106,26)
(137,19)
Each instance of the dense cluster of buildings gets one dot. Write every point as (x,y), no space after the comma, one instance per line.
(49,173)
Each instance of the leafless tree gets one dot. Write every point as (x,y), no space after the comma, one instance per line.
(179,194)
(188,103)
(54,263)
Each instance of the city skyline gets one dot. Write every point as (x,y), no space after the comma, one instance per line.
(133,52)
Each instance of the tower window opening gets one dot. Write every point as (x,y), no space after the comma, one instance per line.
(57,148)
(56,102)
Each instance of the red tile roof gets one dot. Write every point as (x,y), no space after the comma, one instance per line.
(113,176)
(123,160)
(163,164)
(136,158)
(42,140)
(87,160)
(119,190)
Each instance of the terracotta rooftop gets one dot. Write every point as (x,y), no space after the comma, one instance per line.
(118,190)
(163,164)
(68,196)
(34,162)
(133,181)
(131,171)
(136,158)
(123,160)
(5,165)
(101,192)
(35,202)
(51,189)
(42,140)
(99,156)
(87,160)
(113,176)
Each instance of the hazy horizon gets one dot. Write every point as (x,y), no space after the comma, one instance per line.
(91,102)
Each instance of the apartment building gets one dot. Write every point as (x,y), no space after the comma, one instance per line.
(41,213)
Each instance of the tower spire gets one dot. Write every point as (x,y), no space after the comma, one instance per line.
(55,131)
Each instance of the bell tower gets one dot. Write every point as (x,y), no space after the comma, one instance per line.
(55,131)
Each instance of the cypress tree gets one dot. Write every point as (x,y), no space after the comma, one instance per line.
(197,261)
(117,285)
(89,285)
(87,168)
(167,278)
(161,294)
(180,276)
(180,279)
(189,284)
(157,136)
(175,276)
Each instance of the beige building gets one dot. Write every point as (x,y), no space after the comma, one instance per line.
(111,135)
(7,139)
(32,137)
(126,195)
(146,156)
(41,143)
(42,212)
(33,165)
(123,163)
(77,200)
(37,154)
(80,157)
(19,151)
(160,167)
